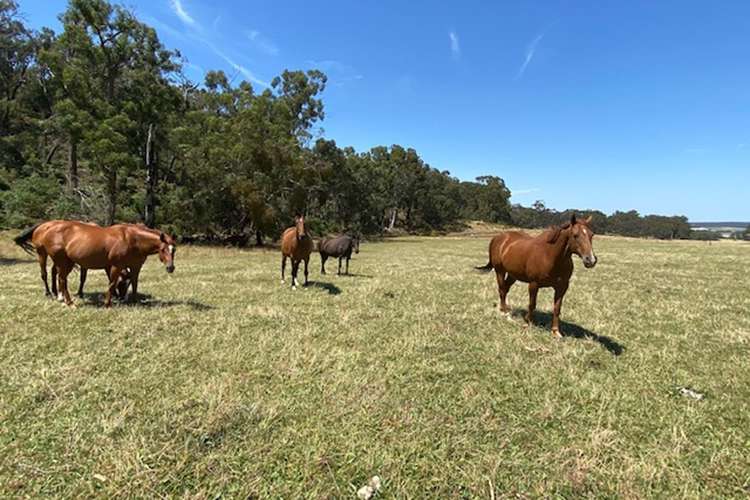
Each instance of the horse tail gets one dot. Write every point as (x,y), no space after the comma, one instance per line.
(23,239)
(485,268)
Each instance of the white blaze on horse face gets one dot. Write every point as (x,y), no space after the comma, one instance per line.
(171,249)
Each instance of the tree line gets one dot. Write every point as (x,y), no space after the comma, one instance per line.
(99,122)
(629,223)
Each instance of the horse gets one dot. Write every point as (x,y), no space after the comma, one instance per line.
(541,261)
(341,247)
(296,244)
(115,248)
(37,231)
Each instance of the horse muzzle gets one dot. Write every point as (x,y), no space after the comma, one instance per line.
(589,261)
(170,268)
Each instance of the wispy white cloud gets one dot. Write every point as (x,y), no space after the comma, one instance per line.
(245,72)
(180,12)
(165,28)
(455,45)
(262,43)
(530,51)
(518,192)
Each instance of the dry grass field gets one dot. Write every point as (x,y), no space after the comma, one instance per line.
(224,383)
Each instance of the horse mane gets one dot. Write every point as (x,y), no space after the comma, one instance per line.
(555,232)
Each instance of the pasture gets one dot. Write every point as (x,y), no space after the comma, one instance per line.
(224,382)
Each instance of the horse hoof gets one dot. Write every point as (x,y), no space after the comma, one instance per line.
(556,334)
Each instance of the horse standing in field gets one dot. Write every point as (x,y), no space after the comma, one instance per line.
(341,247)
(114,248)
(296,244)
(541,261)
(37,232)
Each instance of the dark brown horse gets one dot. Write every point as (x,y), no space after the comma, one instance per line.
(115,249)
(296,244)
(541,261)
(340,247)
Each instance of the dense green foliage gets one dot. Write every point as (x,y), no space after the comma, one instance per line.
(623,223)
(99,123)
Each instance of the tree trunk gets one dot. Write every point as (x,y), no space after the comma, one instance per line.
(393,219)
(111,196)
(150,204)
(73,164)
(258,238)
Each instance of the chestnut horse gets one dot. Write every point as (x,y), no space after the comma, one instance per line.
(541,261)
(114,248)
(296,244)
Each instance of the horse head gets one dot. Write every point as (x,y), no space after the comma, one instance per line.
(581,240)
(299,225)
(166,251)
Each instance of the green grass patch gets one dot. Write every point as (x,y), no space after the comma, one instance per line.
(225,382)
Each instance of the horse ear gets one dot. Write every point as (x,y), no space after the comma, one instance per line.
(573,220)
(162,238)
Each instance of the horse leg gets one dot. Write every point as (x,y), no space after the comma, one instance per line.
(135,272)
(82,281)
(500,278)
(295,268)
(54,280)
(509,280)
(41,256)
(306,261)
(533,289)
(347,264)
(114,276)
(559,294)
(63,271)
(323,258)
(339,271)
(283,266)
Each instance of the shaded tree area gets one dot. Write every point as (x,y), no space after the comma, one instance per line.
(99,123)
(622,223)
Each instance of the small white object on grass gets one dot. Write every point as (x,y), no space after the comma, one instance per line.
(370,489)
(689,393)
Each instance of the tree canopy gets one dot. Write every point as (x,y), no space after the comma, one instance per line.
(100,123)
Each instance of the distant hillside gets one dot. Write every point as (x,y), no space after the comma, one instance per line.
(739,226)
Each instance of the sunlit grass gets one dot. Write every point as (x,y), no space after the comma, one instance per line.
(225,382)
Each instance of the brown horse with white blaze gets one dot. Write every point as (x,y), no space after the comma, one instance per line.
(296,244)
(116,249)
(541,261)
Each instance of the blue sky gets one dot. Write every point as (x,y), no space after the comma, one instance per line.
(590,104)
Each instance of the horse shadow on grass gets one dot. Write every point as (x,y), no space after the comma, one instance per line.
(544,319)
(328,287)
(144,301)
(12,261)
(355,275)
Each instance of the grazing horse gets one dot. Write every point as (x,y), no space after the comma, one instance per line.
(541,261)
(296,244)
(341,247)
(37,232)
(114,248)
